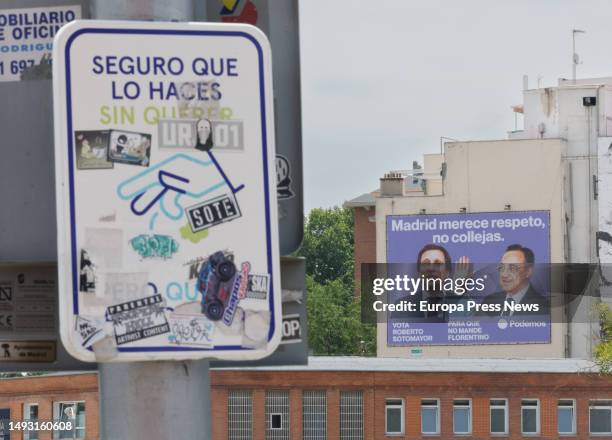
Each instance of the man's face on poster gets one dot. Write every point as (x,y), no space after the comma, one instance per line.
(433,264)
(514,272)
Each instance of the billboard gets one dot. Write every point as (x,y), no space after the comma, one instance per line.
(604,203)
(166,196)
(504,254)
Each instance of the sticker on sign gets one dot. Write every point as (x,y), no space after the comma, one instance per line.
(145,114)
(292,329)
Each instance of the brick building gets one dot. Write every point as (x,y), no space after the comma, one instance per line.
(353,398)
(374,398)
(364,215)
(51,397)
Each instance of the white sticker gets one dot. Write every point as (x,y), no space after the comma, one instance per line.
(90,330)
(191,330)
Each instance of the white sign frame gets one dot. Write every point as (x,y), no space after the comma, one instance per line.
(66,68)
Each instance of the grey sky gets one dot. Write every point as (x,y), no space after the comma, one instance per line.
(383,80)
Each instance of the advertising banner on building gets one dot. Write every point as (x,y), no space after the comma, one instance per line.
(604,201)
(495,286)
(166,194)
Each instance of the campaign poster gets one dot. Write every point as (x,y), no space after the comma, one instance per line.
(508,252)
(604,202)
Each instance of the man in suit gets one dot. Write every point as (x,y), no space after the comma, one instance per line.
(515,270)
(433,263)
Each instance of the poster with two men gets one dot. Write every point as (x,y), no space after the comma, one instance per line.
(504,255)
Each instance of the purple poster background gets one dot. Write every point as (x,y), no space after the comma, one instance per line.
(483,238)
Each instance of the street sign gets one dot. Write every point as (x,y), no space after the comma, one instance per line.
(166,192)
(278,19)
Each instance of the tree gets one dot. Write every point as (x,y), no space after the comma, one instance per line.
(328,245)
(334,315)
(334,324)
(603,351)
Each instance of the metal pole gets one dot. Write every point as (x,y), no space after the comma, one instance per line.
(153,400)
(574,57)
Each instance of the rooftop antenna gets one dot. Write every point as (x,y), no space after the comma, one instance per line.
(575,57)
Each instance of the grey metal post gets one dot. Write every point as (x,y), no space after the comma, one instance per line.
(153,400)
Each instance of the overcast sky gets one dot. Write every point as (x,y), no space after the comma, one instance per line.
(383,80)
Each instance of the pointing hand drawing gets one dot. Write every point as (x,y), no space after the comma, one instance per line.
(173,184)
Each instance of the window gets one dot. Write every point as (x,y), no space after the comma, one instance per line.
(314,414)
(462,416)
(276,421)
(70,412)
(30,413)
(240,415)
(351,415)
(394,417)
(600,417)
(430,416)
(5,417)
(566,417)
(530,416)
(277,415)
(499,416)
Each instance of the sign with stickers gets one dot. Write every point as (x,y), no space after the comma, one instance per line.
(166,191)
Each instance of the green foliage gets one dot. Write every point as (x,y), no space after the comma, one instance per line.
(334,315)
(334,325)
(603,351)
(328,245)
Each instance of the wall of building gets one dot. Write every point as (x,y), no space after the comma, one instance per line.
(46,390)
(558,112)
(412,387)
(484,176)
(375,386)
(432,164)
(365,240)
